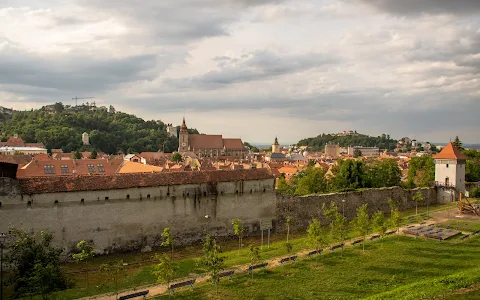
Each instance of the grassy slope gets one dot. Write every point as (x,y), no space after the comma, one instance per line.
(405,269)
(138,273)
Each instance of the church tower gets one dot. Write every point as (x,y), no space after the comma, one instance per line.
(183,138)
(450,167)
(276,146)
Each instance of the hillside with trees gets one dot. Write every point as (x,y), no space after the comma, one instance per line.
(318,143)
(59,126)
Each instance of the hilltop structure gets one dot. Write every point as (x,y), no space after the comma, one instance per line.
(450,167)
(208,145)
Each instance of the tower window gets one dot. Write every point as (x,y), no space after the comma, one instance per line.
(447,165)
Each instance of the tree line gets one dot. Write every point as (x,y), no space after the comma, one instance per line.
(348,175)
(109,132)
(318,143)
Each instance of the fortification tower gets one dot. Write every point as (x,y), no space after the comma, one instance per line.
(276,146)
(450,167)
(183,138)
(85,139)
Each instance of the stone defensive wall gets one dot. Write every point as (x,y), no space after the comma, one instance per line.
(129,211)
(303,208)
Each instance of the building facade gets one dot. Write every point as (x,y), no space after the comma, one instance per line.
(365,151)
(332,150)
(208,145)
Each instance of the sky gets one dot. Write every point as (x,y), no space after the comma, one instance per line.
(253,69)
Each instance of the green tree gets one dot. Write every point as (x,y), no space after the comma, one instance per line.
(383,173)
(238,231)
(418,197)
(288,220)
(395,216)
(77,154)
(164,270)
(316,236)
(472,170)
(168,242)
(457,143)
(86,253)
(379,224)
(421,172)
(349,175)
(254,256)
(176,157)
(338,223)
(212,259)
(362,222)
(313,182)
(112,269)
(94,154)
(34,264)
(283,187)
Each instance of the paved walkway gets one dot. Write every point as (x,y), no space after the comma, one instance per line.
(158,289)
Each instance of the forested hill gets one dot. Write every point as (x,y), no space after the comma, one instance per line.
(59,126)
(318,143)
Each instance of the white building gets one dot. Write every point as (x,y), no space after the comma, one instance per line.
(22,150)
(450,167)
(365,151)
(172,131)
(85,139)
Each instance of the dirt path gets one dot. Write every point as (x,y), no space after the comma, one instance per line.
(158,289)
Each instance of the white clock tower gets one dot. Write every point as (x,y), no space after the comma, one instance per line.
(183,138)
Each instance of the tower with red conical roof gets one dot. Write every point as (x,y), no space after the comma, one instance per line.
(183,138)
(450,167)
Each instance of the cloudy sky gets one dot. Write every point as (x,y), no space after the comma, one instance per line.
(253,69)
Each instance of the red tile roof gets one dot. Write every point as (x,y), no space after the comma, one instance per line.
(233,144)
(56,184)
(205,141)
(450,152)
(36,168)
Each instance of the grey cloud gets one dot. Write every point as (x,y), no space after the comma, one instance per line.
(72,73)
(179,21)
(257,65)
(416,7)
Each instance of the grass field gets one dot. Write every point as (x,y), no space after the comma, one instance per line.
(393,269)
(138,271)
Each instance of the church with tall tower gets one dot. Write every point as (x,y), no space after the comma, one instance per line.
(208,145)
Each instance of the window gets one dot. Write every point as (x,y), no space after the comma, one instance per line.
(64,169)
(49,169)
(91,168)
(447,165)
(100,168)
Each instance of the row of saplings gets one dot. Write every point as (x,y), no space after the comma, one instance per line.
(318,237)
(35,263)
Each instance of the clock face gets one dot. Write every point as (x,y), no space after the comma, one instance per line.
(183,144)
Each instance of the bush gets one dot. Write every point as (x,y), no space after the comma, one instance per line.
(475,193)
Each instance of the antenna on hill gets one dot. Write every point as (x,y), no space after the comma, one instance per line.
(76,98)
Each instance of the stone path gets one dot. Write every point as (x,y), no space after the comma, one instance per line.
(158,289)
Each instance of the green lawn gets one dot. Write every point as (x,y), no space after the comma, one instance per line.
(138,272)
(393,269)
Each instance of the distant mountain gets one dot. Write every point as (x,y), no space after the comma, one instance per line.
(59,126)
(469,146)
(318,143)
